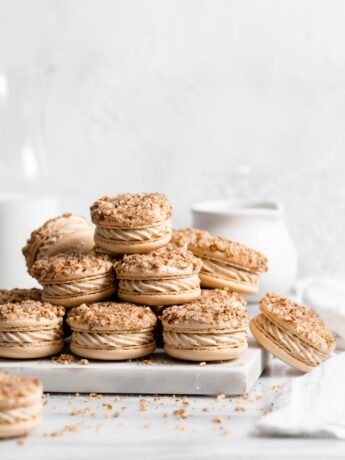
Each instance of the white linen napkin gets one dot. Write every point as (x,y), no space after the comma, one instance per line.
(313,404)
(327,298)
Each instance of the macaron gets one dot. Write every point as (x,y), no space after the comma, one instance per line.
(30,329)
(229,264)
(18,295)
(20,405)
(112,331)
(74,278)
(164,277)
(292,333)
(183,237)
(132,223)
(60,234)
(205,330)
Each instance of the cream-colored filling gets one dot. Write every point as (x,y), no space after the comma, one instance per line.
(160,286)
(228,271)
(75,288)
(112,340)
(66,230)
(191,340)
(20,414)
(132,235)
(30,336)
(291,344)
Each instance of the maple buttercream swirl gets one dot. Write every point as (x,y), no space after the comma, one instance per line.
(191,340)
(30,336)
(160,286)
(223,269)
(20,414)
(134,234)
(292,344)
(112,340)
(87,286)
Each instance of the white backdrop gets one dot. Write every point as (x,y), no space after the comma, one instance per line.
(176,96)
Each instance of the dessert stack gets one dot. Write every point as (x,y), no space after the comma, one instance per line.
(131,274)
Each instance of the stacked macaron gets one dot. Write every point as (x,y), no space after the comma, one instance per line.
(132,223)
(20,405)
(71,279)
(112,331)
(163,277)
(211,328)
(61,234)
(228,264)
(30,329)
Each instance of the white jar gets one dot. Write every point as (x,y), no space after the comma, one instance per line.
(259,225)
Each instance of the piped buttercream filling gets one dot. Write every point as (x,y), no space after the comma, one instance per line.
(291,344)
(112,340)
(192,340)
(75,288)
(20,414)
(30,336)
(228,271)
(186,283)
(132,235)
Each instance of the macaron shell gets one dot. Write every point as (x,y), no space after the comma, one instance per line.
(160,299)
(207,353)
(13,430)
(118,354)
(216,281)
(265,341)
(30,351)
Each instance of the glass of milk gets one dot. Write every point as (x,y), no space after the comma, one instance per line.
(27,187)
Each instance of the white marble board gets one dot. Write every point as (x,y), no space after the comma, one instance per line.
(161,375)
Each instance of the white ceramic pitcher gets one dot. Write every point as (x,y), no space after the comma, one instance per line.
(259,225)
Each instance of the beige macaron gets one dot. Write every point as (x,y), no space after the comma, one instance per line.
(167,276)
(293,333)
(30,329)
(18,295)
(229,264)
(61,234)
(132,223)
(112,331)
(72,279)
(20,405)
(183,237)
(206,330)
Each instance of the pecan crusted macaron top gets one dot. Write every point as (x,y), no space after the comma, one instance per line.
(111,316)
(204,314)
(223,296)
(70,266)
(166,261)
(184,236)
(298,320)
(19,295)
(16,391)
(236,254)
(131,210)
(30,311)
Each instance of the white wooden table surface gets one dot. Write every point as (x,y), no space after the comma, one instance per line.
(146,427)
